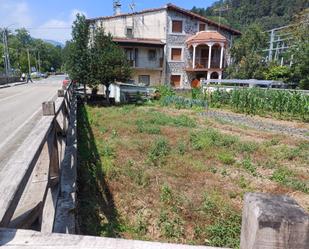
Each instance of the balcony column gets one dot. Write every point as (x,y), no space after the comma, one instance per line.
(209,54)
(194,54)
(221,56)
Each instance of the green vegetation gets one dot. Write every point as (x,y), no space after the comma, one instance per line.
(242,13)
(48,55)
(96,61)
(167,175)
(260,101)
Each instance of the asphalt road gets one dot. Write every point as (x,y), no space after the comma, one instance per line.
(20,109)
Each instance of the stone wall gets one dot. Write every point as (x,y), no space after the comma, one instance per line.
(7,80)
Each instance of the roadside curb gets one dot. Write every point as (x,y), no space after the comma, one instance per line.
(11,85)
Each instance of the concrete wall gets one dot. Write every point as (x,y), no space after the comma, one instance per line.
(155,75)
(145,25)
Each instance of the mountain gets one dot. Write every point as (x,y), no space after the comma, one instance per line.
(241,13)
(55,43)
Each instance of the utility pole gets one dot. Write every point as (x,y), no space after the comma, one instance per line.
(29,66)
(7,63)
(39,61)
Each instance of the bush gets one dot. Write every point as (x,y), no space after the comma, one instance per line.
(165,90)
(281,73)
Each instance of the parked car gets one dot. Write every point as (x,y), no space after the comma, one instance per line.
(66,82)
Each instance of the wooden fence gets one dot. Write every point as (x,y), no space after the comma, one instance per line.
(30,181)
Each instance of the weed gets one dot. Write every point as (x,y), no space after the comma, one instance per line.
(210,137)
(243,183)
(141,226)
(103,130)
(248,147)
(143,127)
(159,150)
(213,170)
(226,158)
(225,231)
(166,194)
(181,147)
(158,118)
(248,165)
(172,227)
(224,172)
(286,177)
(114,133)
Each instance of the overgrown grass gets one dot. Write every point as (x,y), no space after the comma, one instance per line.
(157,173)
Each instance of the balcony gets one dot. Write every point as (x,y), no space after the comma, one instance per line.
(206,51)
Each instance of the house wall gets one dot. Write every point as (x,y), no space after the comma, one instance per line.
(157,25)
(143,58)
(191,27)
(145,25)
(155,75)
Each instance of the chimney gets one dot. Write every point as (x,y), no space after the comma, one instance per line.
(117,7)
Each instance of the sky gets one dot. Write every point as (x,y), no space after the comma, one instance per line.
(52,19)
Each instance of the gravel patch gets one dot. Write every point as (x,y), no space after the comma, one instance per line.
(257,124)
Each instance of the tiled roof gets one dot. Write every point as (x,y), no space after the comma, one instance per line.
(175,8)
(206,36)
(139,40)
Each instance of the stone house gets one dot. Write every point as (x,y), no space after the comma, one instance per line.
(170,45)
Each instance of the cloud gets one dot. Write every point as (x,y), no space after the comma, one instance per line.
(13,12)
(57,29)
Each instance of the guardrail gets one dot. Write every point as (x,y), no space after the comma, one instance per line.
(30,181)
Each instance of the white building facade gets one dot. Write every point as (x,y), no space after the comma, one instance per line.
(170,45)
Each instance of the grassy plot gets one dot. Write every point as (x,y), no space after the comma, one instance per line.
(162,174)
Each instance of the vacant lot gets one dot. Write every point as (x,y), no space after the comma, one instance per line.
(162,174)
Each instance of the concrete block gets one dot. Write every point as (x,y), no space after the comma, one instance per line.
(273,222)
(61,93)
(48,108)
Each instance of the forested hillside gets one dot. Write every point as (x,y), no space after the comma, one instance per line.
(241,13)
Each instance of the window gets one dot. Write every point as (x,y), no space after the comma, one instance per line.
(144,79)
(152,54)
(130,56)
(176,54)
(129,32)
(177,26)
(175,80)
(202,27)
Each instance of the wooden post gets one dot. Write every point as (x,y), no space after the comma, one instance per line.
(48,108)
(273,222)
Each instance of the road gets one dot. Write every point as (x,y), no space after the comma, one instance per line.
(20,109)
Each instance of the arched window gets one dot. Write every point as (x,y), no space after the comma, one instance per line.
(214,75)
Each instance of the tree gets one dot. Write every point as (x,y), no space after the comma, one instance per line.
(247,53)
(79,61)
(108,61)
(300,50)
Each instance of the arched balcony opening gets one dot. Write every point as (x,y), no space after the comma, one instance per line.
(214,75)
(206,50)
